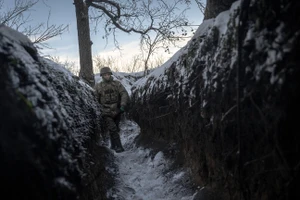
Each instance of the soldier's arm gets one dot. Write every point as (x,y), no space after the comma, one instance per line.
(124,95)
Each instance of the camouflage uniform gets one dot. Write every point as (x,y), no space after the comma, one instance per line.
(112,96)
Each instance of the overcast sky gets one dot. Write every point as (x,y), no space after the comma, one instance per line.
(66,46)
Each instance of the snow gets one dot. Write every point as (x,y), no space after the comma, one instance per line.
(14,35)
(142,176)
(66,74)
(63,182)
(159,78)
(36,81)
(145,177)
(221,21)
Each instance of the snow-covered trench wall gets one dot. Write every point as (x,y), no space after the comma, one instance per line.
(228,100)
(49,129)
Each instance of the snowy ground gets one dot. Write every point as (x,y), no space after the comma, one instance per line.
(146,177)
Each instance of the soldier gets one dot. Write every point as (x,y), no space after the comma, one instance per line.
(114,98)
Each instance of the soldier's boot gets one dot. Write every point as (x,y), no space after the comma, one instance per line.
(118,148)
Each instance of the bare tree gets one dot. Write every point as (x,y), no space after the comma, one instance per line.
(18,18)
(150,45)
(135,64)
(160,24)
(201,5)
(157,61)
(84,42)
(140,16)
(143,17)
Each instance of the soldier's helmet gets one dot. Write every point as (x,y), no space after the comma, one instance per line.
(105,70)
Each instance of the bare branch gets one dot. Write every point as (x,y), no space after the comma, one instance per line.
(160,23)
(201,5)
(15,15)
(19,17)
(140,16)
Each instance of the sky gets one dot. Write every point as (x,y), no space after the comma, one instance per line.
(141,175)
(66,45)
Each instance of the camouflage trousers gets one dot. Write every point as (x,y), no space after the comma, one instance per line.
(112,128)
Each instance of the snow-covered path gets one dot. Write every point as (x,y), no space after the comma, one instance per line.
(143,176)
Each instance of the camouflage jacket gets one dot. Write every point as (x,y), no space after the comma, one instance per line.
(111,95)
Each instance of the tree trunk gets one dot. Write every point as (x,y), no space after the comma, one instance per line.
(85,43)
(214,7)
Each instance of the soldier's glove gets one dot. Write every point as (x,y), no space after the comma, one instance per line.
(122,109)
